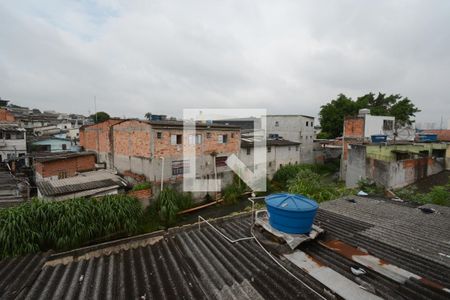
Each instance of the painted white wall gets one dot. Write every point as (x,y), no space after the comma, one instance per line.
(277,157)
(296,128)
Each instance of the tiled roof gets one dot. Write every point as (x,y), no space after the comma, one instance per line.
(197,263)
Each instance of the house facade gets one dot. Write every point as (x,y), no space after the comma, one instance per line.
(153,150)
(296,128)
(279,153)
(12,141)
(63,165)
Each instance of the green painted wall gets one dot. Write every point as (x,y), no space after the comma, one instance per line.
(385,153)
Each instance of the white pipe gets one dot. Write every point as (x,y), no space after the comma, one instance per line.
(224,236)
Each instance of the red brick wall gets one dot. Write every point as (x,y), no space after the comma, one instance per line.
(132,138)
(6,115)
(354,128)
(69,165)
(163,146)
(96,137)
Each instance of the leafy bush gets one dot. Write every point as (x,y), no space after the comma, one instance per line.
(40,225)
(287,172)
(439,194)
(309,184)
(232,193)
(170,202)
(142,186)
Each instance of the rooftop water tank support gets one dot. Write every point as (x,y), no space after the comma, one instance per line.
(291,213)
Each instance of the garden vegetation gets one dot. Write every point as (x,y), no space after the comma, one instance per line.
(41,225)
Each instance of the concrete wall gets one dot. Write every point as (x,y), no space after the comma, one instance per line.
(379,164)
(277,157)
(356,165)
(374,125)
(295,128)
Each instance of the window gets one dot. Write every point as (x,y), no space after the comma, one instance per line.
(176,139)
(270,163)
(222,139)
(388,124)
(197,139)
(19,136)
(180,167)
(269,149)
(221,161)
(208,135)
(8,136)
(1,134)
(64,146)
(232,135)
(307,123)
(159,135)
(277,124)
(312,124)
(296,148)
(281,165)
(62,174)
(289,148)
(249,151)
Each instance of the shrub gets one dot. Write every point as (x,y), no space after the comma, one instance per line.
(309,184)
(40,225)
(142,186)
(288,172)
(170,202)
(233,192)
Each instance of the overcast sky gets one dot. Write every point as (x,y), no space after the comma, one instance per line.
(162,56)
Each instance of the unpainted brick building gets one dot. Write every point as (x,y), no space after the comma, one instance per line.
(154,149)
(63,165)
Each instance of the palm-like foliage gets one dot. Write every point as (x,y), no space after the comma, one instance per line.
(40,225)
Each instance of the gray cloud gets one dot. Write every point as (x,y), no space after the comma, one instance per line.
(158,56)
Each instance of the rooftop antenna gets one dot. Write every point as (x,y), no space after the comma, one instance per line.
(442,123)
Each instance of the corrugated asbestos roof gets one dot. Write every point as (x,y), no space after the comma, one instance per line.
(51,156)
(192,263)
(18,274)
(82,182)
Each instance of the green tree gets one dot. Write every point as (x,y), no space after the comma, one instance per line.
(148,115)
(99,117)
(333,113)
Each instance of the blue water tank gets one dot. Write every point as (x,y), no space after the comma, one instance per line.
(291,213)
(427,137)
(378,138)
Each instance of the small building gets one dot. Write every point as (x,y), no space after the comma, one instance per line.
(50,144)
(12,141)
(361,129)
(62,165)
(296,128)
(279,153)
(154,149)
(394,165)
(88,184)
(6,116)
